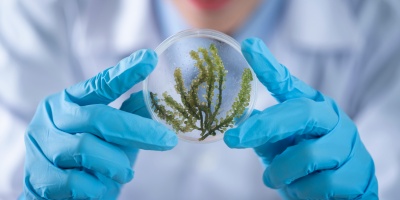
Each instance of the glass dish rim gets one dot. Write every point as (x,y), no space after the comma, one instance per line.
(208,33)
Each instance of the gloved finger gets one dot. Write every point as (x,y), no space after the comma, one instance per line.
(269,150)
(88,151)
(44,180)
(273,75)
(131,153)
(350,181)
(68,184)
(328,152)
(113,188)
(296,117)
(113,125)
(135,104)
(114,81)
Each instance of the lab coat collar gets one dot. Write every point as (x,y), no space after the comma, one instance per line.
(322,25)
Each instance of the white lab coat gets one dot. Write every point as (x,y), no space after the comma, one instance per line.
(350,50)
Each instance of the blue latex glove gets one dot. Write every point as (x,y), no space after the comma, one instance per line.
(77,147)
(310,147)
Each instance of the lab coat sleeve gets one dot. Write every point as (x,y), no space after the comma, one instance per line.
(378,122)
(376,98)
(35,56)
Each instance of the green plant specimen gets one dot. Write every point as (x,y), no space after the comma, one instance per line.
(196,113)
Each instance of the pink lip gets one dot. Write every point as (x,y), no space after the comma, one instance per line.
(210,4)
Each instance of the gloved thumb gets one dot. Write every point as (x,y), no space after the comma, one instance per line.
(274,76)
(108,85)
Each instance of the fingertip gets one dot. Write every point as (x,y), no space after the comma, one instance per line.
(251,44)
(123,175)
(130,71)
(231,139)
(144,60)
(267,180)
(254,49)
(129,175)
(260,58)
(249,47)
(171,140)
(166,140)
(145,54)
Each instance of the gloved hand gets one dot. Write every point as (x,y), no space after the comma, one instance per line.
(311,148)
(77,147)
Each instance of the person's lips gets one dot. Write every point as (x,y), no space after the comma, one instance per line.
(210,4)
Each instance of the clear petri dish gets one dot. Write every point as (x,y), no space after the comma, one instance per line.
(198,108)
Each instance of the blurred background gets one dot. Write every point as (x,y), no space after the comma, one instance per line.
(349,50)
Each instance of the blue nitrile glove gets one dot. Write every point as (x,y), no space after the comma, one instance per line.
(311,148)
(77,147)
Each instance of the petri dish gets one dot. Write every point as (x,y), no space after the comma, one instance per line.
(180,94)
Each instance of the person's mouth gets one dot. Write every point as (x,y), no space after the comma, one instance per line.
(210,4)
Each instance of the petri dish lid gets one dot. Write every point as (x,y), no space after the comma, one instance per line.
(174,53)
